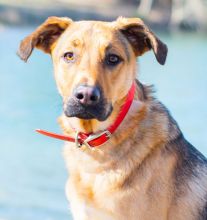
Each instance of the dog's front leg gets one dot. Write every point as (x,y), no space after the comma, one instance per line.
(77,205)
(82,209)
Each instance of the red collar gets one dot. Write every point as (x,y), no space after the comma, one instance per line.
(99,138)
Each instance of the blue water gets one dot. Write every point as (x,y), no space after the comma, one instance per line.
(32,171)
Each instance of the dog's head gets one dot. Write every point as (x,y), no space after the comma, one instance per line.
(94,62)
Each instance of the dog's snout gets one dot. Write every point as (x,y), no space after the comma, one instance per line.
(88,102)
(87,95)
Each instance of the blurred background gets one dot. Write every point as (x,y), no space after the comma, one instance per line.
(32,170)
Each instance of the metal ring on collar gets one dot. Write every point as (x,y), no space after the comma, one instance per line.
(78,144)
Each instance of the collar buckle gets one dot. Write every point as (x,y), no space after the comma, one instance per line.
(77,142)
(95,136)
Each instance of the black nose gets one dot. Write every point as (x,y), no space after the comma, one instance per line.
(87,95)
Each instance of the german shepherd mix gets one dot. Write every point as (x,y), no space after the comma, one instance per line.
(146,170)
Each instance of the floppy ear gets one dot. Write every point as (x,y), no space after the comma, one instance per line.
(141,38)
(43,37)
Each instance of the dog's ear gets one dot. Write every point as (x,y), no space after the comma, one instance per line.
(141,38)
(43,37)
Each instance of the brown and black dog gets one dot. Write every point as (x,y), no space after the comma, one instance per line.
(147,170)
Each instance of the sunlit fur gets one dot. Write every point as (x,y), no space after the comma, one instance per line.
(147,170)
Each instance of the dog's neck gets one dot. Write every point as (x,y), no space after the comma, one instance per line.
(109,154)
(113,153)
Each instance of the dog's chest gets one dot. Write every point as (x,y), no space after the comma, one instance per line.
(112,194)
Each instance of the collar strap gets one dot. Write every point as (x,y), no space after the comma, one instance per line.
(99,138)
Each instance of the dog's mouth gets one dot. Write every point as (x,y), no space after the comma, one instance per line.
(100,111)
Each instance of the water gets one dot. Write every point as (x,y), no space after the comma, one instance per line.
(32,171)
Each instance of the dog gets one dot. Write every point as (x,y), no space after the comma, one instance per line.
(146,169)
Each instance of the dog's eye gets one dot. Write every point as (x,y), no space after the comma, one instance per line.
(68,57)
(113,59)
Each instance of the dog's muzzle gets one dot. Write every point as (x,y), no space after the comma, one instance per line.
(87,102)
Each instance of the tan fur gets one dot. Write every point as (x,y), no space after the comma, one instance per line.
(132,175)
